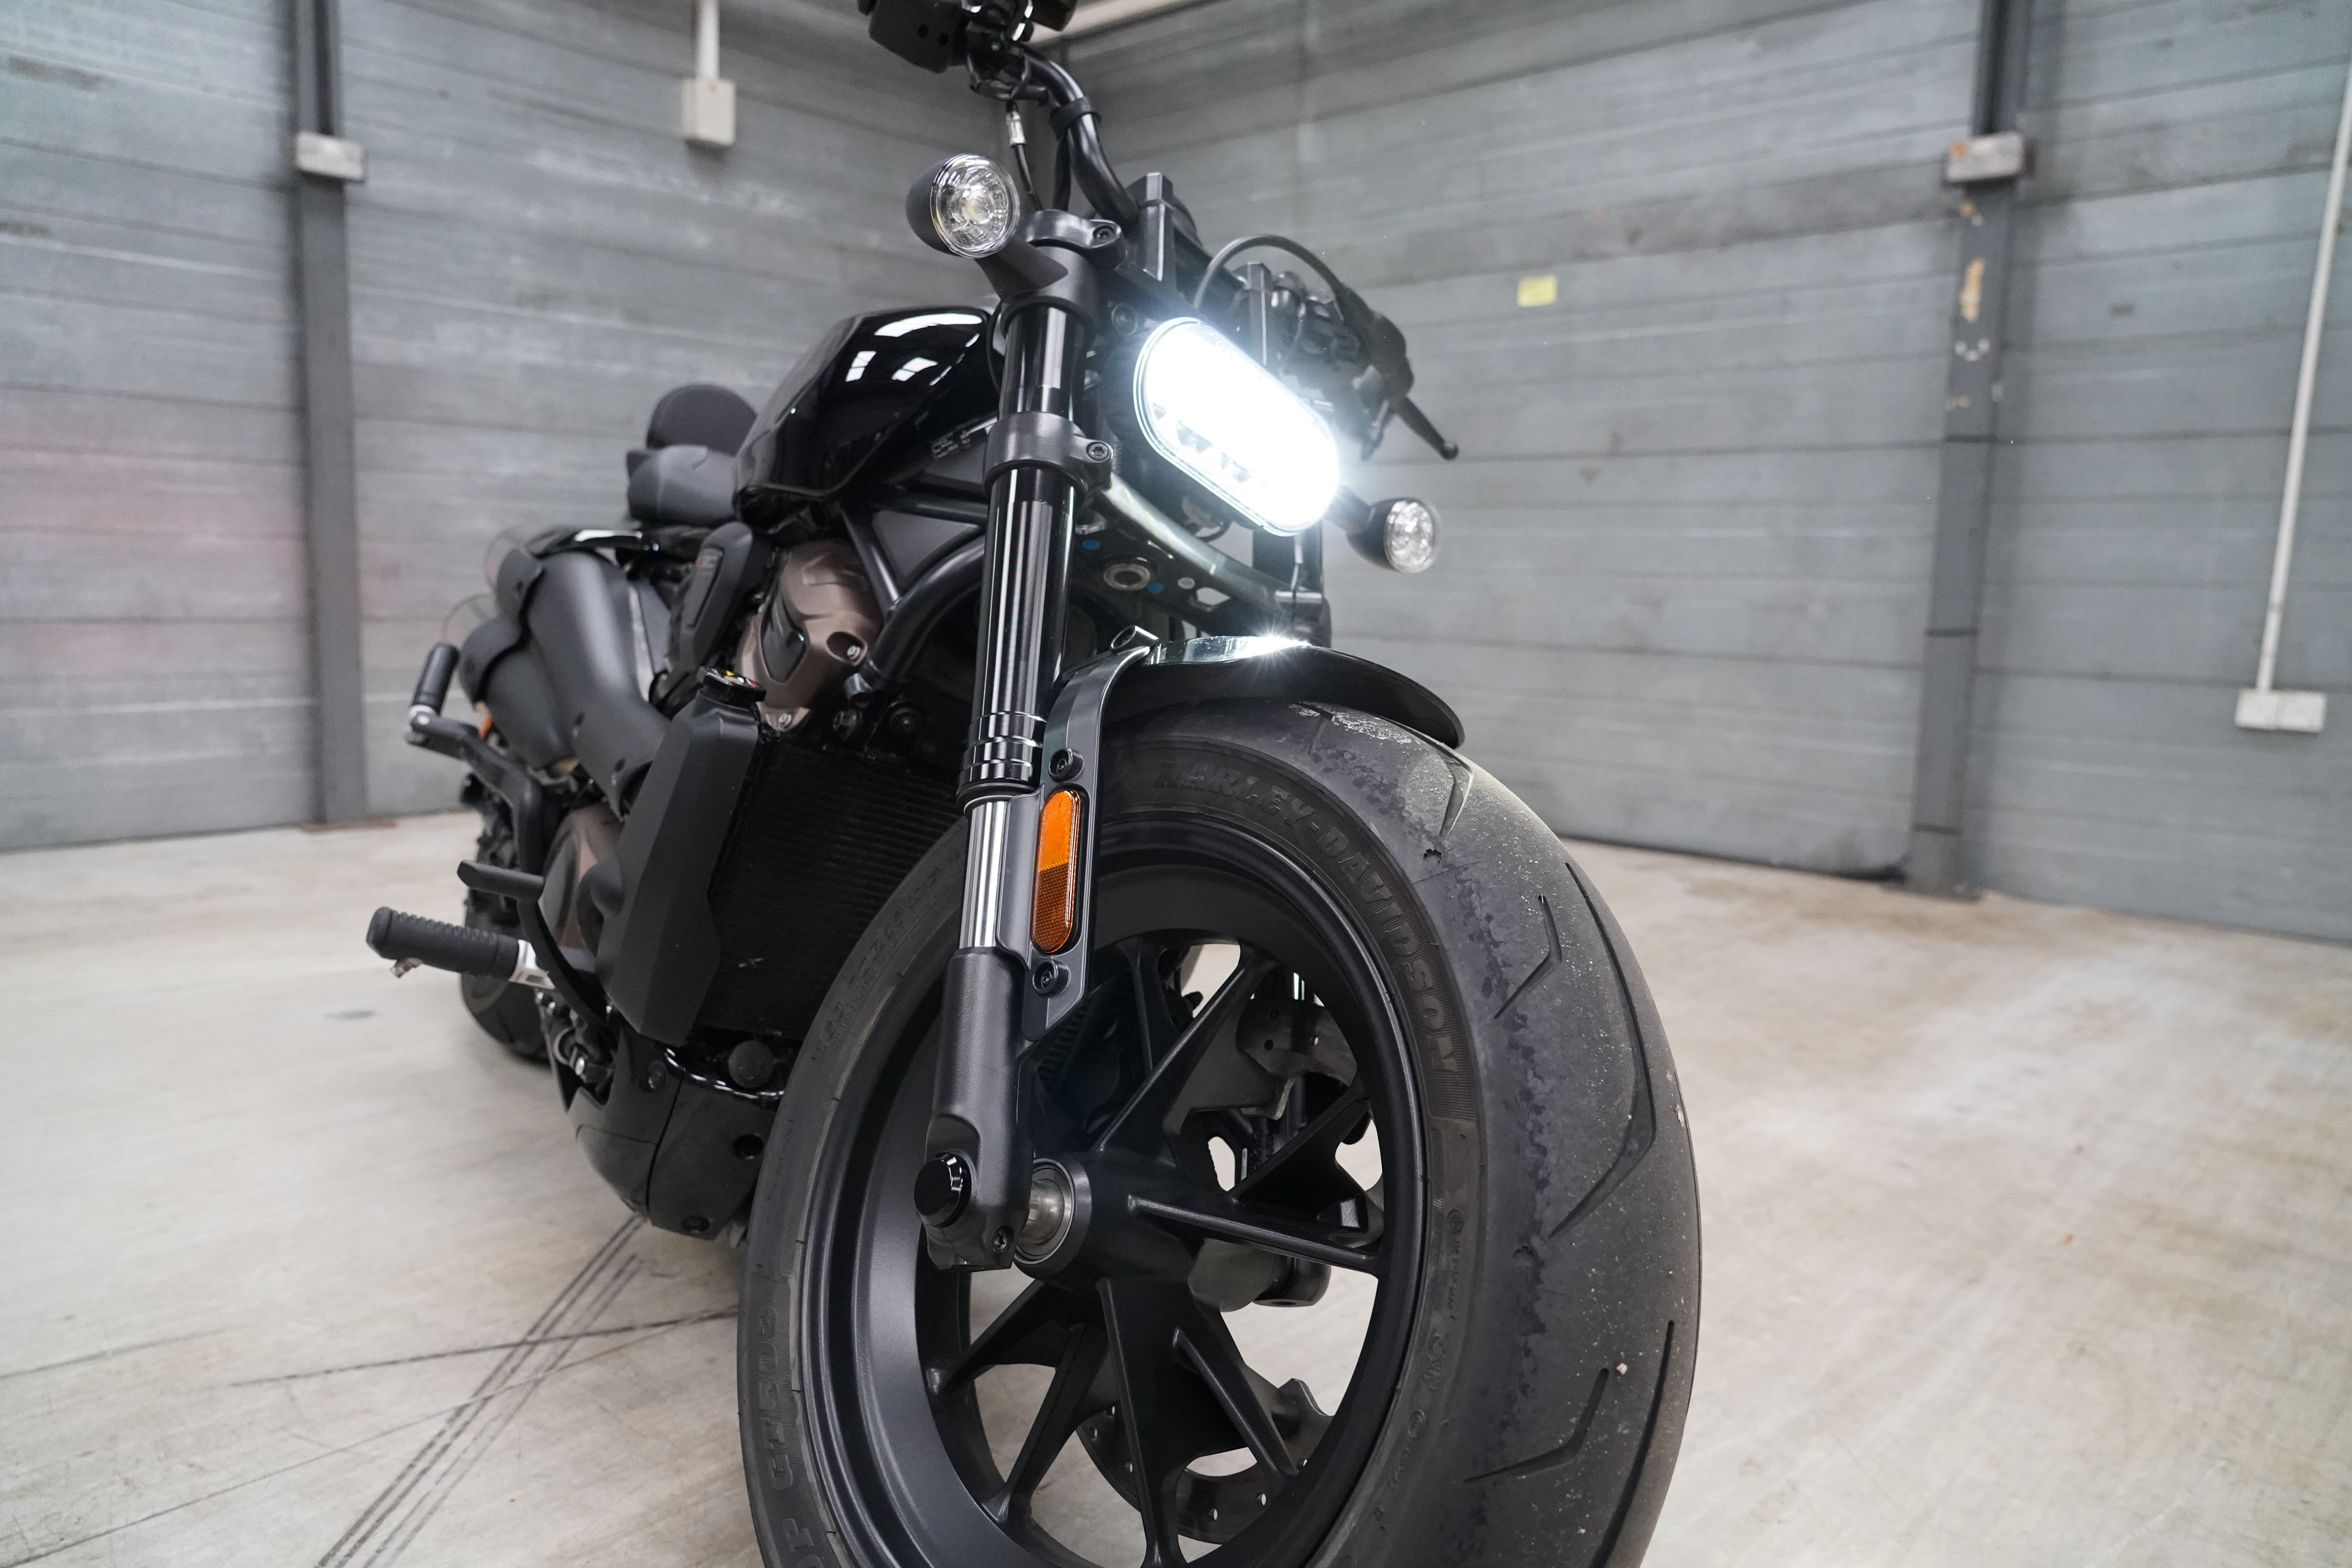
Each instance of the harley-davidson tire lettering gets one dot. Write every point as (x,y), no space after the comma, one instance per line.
(780,1461)
(796,1539)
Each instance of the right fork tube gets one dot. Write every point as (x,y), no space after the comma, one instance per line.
(976,1114)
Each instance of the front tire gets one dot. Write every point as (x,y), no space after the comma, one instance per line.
(1526,1354)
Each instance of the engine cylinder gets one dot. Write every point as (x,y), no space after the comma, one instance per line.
(820,619)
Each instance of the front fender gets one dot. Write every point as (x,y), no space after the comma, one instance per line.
(1207,669)
(1141,679)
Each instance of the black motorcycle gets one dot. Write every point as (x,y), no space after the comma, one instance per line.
(1166,1093)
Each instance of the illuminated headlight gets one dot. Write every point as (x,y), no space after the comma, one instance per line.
(1224,420)
(965,207)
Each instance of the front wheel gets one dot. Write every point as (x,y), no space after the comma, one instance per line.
(1387,1240)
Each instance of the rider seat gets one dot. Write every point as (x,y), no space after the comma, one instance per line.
(701,416)
(684,476)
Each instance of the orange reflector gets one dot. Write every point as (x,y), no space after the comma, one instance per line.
(1054,918)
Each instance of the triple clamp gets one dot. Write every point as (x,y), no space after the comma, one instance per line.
(1036,439)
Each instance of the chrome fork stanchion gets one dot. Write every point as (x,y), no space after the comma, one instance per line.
(973,1192)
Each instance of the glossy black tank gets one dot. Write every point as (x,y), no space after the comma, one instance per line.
(873,386)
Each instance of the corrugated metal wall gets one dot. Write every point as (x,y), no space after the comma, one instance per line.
(1686,576)
(1685,582)
(154,660)
(536,256)
(2158,307)
(1683,591)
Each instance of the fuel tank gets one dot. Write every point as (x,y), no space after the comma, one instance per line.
(876,391)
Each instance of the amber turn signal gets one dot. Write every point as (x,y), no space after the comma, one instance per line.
(1054,911)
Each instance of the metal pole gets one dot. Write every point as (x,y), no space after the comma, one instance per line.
(1098,16)
(2283,557)
(1963,489)
(323,271)
(706,40)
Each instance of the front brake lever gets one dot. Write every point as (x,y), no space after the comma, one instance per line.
(1384,348)
(1384,344)
(1418,423)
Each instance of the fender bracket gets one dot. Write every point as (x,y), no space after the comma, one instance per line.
(1146,676)
(1073,756)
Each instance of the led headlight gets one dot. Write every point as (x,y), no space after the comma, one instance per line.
(965,207)
(1224,420)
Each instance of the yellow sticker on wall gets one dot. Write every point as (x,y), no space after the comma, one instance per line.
(1972,289)
(1543,290)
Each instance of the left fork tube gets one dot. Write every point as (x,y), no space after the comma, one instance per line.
(976,1108)
(1030,513)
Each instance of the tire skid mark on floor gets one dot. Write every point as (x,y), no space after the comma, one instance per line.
(114,1354)
(613,1333)
(44,1552)
(389,1522)
(499,1414)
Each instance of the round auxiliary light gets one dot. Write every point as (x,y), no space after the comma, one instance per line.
(965,207)
(1408,533)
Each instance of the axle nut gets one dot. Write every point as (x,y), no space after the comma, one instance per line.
(942,1188)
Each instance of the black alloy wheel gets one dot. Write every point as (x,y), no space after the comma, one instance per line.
(1149,1234)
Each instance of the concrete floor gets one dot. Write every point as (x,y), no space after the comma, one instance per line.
(2028,1235)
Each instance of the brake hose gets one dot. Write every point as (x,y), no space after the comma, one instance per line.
(1343,297)
(1078,143)
(1272,242)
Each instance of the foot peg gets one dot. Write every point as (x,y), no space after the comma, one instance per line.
(412,939)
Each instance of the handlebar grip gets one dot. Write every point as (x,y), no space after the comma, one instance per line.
(461,949)
(1418,423)
(433,681)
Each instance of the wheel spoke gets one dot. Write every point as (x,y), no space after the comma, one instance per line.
(1067,1401)
(1137,1125)
(1029,1332)
(1207,1344)
(1155,1027)
(1304,1175)
(1169,1414)
(1320,1243)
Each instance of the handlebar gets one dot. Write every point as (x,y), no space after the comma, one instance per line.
(433,683)
(988,42)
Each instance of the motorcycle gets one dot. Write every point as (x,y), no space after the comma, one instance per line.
(937,847)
